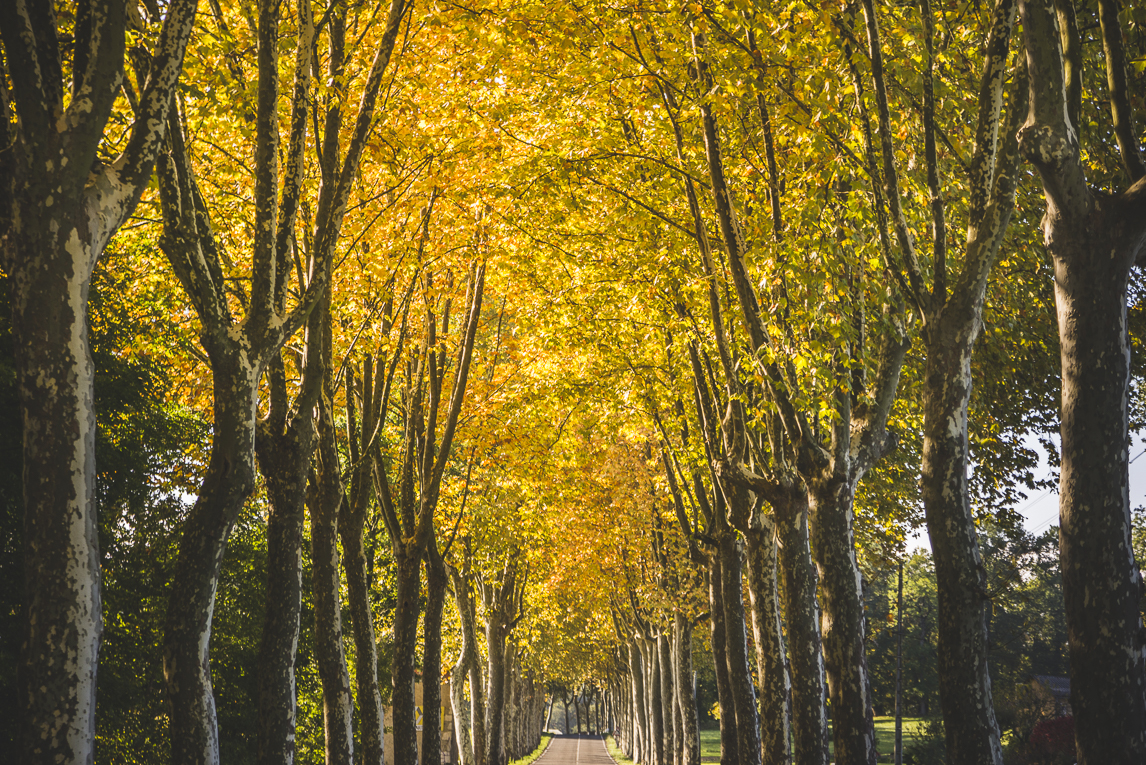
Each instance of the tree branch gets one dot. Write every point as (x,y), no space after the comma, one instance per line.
(1120,109)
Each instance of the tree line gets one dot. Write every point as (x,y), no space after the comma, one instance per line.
(726,235)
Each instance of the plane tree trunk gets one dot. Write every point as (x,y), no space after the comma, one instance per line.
(1094,239)
(59,207)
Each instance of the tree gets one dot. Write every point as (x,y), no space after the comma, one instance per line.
(62,199)
(952,319)
(240,350)
(1094,238)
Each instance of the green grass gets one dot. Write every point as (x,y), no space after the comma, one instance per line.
(540,750)
(884,736)
(709,743)
(615,751)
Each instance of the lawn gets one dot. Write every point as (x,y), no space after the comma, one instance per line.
(884,736)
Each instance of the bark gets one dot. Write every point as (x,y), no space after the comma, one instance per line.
(1093,238)
(771,668)
(654,708)
(437,580)
(369,699)
(59,206)
(637,721)
(843,620)
(325,509)
(468,662)
(953,321)
(229,481)
(686,699)
(801,612)
(408,580)
(736,642)
(477,710)
(284,460)
(668,697)
(729,739)
(502,605)
(964,681)
(495,703)
(375,395)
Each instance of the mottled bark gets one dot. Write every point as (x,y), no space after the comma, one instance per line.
(843,620)
(637,687)
(953,319)
(771,667)
(964,680)
(1094,238)
(373,395)
(229,481)
(729,740)
(284,460)
(325,507)
(502,606)
(686,699)
(407,577)
(437,580)
(668,697)
(59,206)
(736,642)
(653,706)
(801,618)
(495,701)
(467,665)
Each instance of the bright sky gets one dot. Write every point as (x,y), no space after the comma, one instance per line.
(1040,510)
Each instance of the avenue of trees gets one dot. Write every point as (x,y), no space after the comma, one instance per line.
(534,351)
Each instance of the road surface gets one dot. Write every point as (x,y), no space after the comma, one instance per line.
(576,750)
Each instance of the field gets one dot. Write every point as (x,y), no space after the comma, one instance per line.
(884,735)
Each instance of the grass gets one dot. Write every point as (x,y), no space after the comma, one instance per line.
(615,751)
(884,737)
(885,734)
(540,750)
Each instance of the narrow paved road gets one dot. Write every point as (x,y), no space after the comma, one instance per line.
(576,750)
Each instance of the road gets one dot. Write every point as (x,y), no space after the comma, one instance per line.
(576,750)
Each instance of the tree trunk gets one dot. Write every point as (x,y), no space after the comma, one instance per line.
(477,710)
(842,620)
(495,701)
(365,648)
(653,700)
(325,506)
(686,700)
(668,698)
(636,673)
(801,611)
(729,739)
(61,556)
(1101,584)
(736,640)
(408,579)
(436,584)
(964,681)
(284,460)
(229,481)
(468,661)
(1094,238)
(60,203)
(763,588)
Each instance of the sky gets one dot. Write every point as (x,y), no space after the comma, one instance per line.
(1040,509)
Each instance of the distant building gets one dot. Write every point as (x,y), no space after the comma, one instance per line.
(1054,692)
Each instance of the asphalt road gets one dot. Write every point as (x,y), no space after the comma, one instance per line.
(576,750)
